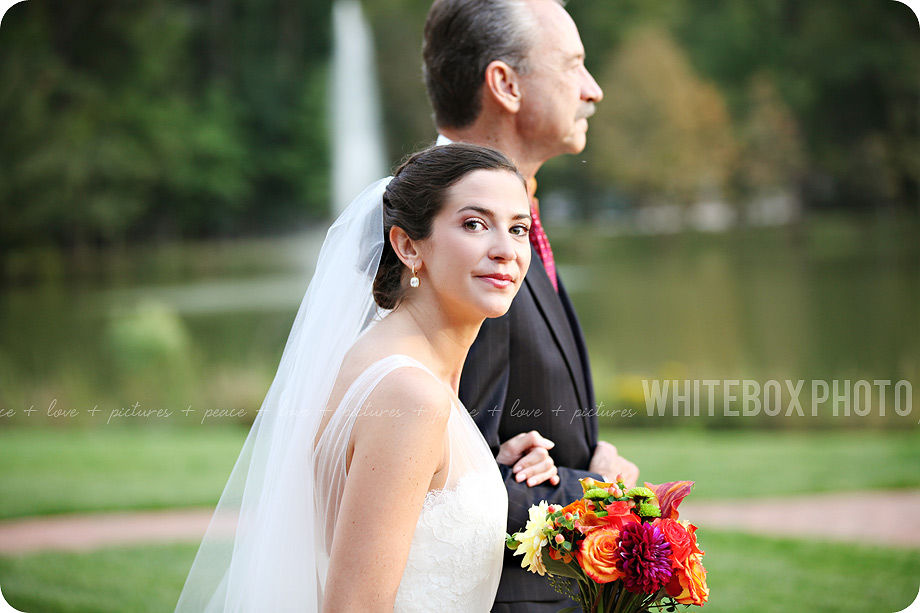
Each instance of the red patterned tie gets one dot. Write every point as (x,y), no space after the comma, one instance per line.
(538,236)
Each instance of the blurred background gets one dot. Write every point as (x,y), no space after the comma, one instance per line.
(747,208)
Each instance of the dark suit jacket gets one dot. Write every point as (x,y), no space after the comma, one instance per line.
(528,370)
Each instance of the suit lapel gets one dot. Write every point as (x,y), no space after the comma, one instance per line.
(550,307)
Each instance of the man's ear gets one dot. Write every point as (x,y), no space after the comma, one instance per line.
(405,248)
(503,86)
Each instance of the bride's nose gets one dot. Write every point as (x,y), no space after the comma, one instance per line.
(503,248)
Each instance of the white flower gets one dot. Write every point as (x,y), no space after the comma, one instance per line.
(532,539)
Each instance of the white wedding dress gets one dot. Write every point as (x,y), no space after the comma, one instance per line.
(456,555)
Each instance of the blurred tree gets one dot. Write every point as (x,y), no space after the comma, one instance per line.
(772,157)
(126,119)
(277,73)
(74,162)
(604,26)
(661,132)
(848,71)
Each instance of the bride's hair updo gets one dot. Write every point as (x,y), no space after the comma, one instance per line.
(416,194)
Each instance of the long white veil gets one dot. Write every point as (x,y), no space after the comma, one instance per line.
(259,551)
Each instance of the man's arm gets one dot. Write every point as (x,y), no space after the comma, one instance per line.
(483,390)
(484,381)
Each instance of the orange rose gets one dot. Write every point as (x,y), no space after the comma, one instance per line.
(598,554)
(618,515)
(688,583)
(681,537)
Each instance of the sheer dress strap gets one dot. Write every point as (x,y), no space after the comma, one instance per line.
(329,454)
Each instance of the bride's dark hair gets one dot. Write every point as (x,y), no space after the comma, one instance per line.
(416,194)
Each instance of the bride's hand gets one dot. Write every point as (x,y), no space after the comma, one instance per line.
(528,455)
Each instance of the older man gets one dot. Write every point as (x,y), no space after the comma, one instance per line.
(510,74)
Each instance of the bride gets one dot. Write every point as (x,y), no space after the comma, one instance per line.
(364,484)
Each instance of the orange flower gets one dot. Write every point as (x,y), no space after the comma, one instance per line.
(688,583)
(618,515)
(681,537)
(598,554)
(576,507)
(557,555)
(590,484)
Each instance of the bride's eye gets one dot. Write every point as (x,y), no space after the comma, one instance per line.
(473,224)
(520,230)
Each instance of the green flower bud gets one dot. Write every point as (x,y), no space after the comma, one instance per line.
(640,492)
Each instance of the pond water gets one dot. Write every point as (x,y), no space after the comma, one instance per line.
(200,328)
(830,301)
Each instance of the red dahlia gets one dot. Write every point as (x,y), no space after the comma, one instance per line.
(644,558)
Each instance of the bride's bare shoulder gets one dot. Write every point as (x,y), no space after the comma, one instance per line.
(404,417)
(404,384)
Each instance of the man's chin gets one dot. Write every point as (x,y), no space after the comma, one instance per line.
(577,145)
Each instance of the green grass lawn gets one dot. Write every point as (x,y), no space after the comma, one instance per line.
(123,580)
(747,574)
(763,575)
(731,463)
(44,471)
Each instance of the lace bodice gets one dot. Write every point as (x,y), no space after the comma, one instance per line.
(456,554)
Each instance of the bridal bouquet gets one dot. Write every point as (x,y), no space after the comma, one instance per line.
(625,548)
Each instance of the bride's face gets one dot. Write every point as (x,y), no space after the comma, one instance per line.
(478,252)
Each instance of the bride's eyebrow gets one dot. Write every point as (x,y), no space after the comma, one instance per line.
(490,213)
(478,209)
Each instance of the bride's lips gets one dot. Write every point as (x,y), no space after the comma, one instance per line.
(498,280)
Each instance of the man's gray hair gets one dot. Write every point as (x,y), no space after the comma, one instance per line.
(461,38)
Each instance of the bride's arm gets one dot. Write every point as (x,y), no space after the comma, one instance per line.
(398,446)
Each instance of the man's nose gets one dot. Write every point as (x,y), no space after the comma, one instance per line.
(590,90)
